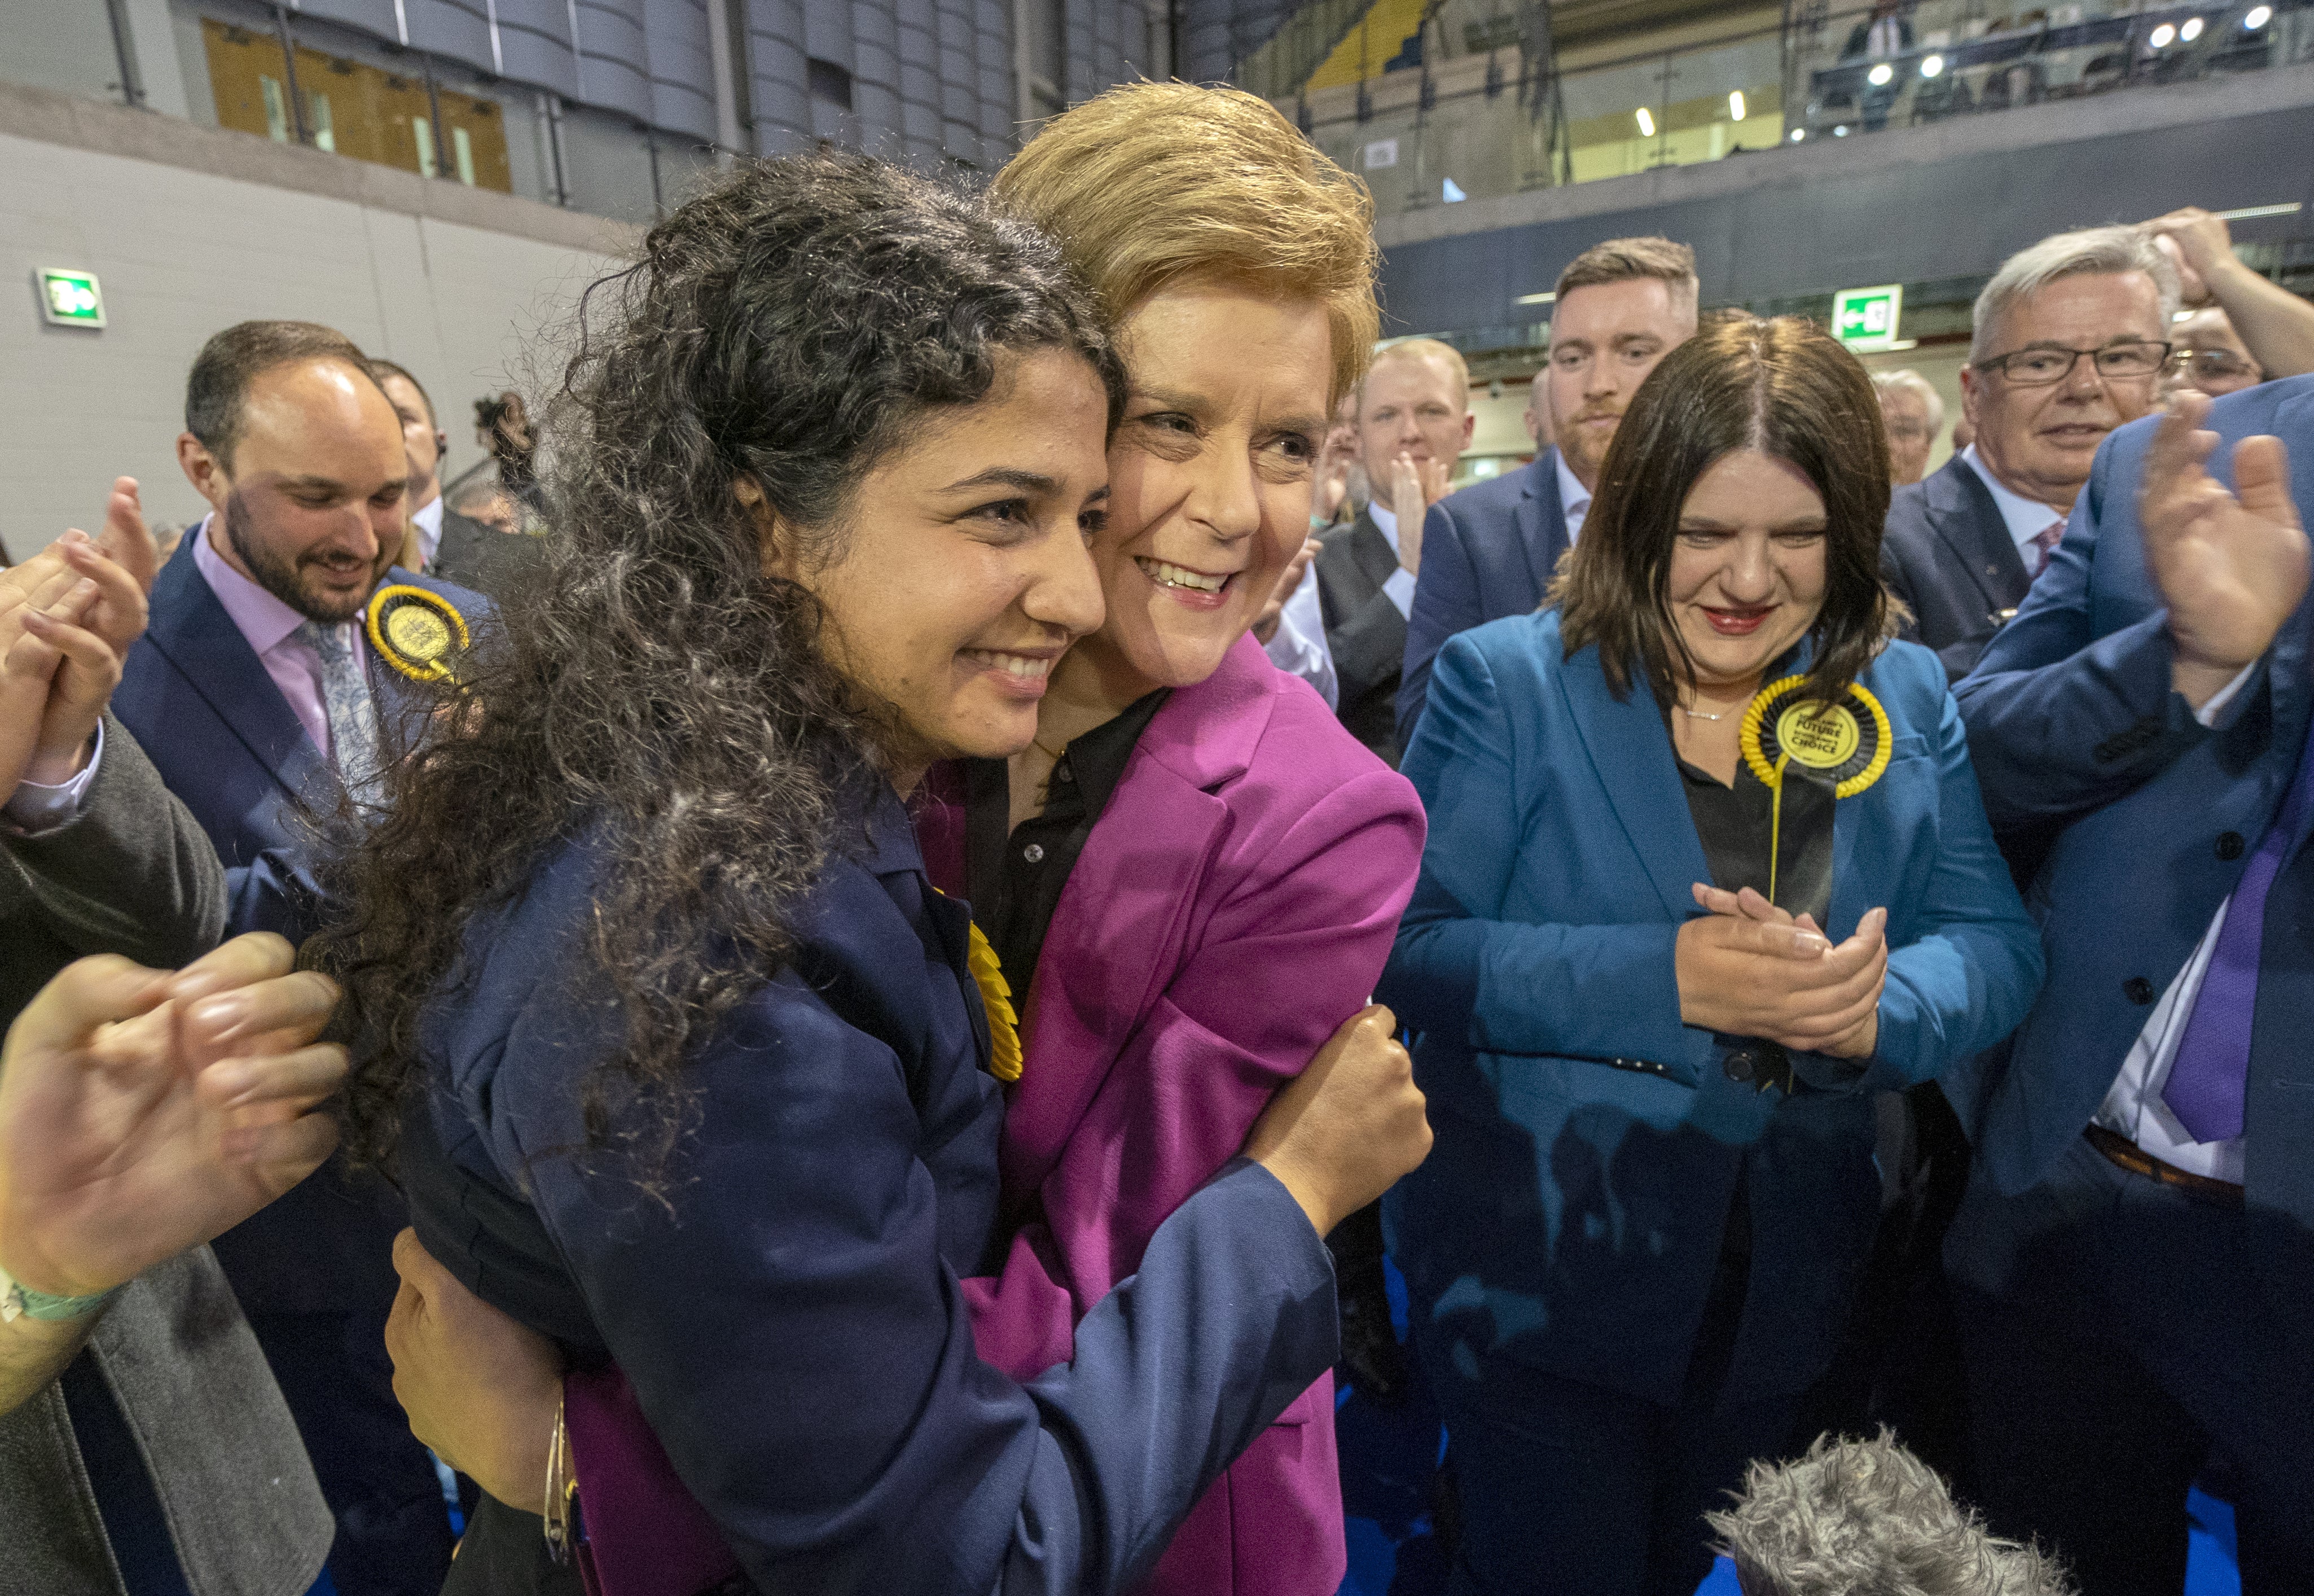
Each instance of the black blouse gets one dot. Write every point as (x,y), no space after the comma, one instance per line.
(1014,882)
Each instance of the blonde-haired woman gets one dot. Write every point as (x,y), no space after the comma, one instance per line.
(1194,874)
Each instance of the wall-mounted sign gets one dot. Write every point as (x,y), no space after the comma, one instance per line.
(71,298)
(1865,318)
(1381,153)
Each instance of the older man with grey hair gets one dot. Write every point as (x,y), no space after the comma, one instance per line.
(1913,412)
(1867,1516)
(2070,342)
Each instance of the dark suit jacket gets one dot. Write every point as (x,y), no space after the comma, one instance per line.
(494,563)
(1859,38)
(2074,727)
(1948,554)
(229,746)
(1365,632)
(787,1310)
(133,875)
(1488,552)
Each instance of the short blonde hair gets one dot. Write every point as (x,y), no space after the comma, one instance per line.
(1151,183)
(1429,349)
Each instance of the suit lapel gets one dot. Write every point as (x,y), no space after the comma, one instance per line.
(190,629)
(1542,521)
(1632,754)
(1962,509)
(1376,560)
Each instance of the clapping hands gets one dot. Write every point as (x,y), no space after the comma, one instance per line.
(1747,968)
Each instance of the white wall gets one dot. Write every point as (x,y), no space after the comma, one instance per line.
(183,252)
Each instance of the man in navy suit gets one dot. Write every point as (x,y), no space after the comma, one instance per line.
(1489,550)
(1963,547)
(259,702)
(2134,1261)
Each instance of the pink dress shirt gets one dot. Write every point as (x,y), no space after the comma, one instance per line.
(269,627)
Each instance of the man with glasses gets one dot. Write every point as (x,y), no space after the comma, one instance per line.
(2209,356)
(2245,328)
(2071,341)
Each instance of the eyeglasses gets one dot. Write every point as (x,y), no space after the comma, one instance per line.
(2042,367)
(2211,363)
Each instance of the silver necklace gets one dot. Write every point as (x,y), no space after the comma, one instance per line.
(1699,715)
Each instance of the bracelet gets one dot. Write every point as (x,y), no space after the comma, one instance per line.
(18,1300)
(561,1488)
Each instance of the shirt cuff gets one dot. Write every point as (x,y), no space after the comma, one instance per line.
(38,806)
(2216,705)
(1400,589)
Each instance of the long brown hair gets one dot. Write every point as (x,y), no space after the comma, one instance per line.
(1786,388)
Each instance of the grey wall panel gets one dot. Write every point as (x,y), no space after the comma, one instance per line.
(682,66)
(614,57)
(875,79)
(1804,228)
(827,31)
(993,21)
(459,29)
(777,97)
(534,36)
(920,84)
(957,60)
(1083,78)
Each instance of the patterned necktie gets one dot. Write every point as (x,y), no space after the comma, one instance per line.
(2211,1073)
(345,699)
(2047,540)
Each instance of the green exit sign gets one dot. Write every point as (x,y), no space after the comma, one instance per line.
(71,298)
(1865,318)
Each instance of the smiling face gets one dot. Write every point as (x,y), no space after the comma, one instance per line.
(962,572)
(1209,479)
(1748,567)
(1605,338)
(310,503)
(2040,441)
(1415,405)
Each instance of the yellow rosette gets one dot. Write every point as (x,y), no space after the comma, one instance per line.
(1846,741)
(997,997)
(417,632)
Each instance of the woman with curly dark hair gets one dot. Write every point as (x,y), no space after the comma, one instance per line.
(685,1056)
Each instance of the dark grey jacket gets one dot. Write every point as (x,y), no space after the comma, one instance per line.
(1364,631)
(135,875)
(1948,554)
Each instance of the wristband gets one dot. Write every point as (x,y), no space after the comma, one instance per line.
(21,1302)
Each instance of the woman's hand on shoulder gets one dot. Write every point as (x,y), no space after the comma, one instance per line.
(1342,1132)
(1746,968)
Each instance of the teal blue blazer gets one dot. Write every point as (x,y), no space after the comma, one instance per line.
(1589,1144)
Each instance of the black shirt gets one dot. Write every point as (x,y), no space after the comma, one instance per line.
(1014,882)
(1735,823)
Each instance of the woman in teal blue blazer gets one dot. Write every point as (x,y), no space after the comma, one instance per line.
(1651,1043)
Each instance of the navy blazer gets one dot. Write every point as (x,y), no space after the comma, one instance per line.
(1588,1143)
(786,1308)
(1488,552)
(2074,725)
(197,698)
(1948,554)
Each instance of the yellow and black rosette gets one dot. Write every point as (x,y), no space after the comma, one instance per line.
(417,632)
(997,997)
(1845,743)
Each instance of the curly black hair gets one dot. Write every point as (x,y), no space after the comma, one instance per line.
(791,327)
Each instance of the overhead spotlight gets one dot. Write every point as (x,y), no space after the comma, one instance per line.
(1798,134)
(2191,30)
(1880,74)
(2162,37)
(1840,131)
(1931,66)
(2259,16)
(1734,105)
(1647,124)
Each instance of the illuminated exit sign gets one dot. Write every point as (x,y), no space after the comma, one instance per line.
(71,298)
(1865,318)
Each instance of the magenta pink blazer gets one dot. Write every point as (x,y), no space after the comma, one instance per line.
(1233,907)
